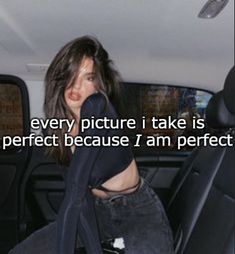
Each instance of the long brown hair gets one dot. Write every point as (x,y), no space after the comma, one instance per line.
(62,73)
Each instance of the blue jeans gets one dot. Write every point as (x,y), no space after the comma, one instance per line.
(138,218)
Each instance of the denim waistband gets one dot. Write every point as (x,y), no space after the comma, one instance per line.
(130,197)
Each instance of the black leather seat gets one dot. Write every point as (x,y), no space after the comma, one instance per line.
(196,188)
(214,229)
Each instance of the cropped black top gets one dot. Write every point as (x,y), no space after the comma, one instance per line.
(90,167)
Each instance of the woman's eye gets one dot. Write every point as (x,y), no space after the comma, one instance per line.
(91,78)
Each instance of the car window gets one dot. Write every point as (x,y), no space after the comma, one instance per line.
(11,113)
(14,112)
(143,101)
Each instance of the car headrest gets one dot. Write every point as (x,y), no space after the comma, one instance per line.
(217,114)
(229,91)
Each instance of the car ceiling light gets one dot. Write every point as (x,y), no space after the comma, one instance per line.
(36,68)
(212,8)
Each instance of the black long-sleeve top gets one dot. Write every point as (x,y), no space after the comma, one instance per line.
(90,167)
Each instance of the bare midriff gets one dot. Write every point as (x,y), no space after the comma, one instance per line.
(121,183)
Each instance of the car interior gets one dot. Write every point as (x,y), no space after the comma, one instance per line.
(176,59)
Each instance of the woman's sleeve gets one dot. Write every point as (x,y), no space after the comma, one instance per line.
(77,214)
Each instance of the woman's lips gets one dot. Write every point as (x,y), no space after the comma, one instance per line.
(74,96)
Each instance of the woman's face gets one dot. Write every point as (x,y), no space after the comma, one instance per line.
(85,85)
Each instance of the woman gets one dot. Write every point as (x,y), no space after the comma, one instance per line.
(101,182)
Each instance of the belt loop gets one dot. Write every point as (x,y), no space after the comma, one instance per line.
(120,199)
(115,197)
(125,200)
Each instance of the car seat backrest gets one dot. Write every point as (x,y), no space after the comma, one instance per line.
(192,191)
(217,114)
(186,206)
(229,91)
(229,244)
(215,226)
(217,117)
(214,229)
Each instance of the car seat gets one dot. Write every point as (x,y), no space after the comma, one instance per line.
(195,192)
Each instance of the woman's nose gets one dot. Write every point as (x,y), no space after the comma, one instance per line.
(77,85)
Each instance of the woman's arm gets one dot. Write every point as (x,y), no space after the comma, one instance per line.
(77,210)
(77,214)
